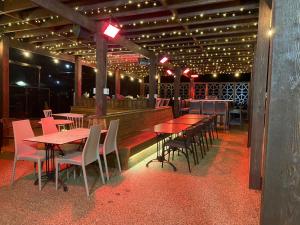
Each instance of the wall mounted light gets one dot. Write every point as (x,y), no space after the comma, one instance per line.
(111,31)
(163,60)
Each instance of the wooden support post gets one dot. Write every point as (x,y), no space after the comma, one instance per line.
(178,73)
(192,88)
(142,88)
(78,79)
(117,82)
(101,75)
(152,81)
(280,191)
(4,78)
(259,88)
(206,91)
(158,86)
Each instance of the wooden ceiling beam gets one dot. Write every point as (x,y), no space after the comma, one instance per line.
(42,31)
(29,27)
(207,22)
(161,9)
(223,34)
(31,48)
(205,29)
(77,18)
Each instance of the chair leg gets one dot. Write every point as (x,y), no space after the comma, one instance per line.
(56,175)
(188,160)
(13,172)
(34,165)
(118,160)
(106,168)
(100,169)
(85,181)
(40,174)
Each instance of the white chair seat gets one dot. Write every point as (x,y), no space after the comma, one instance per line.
(71,158)
(33,155)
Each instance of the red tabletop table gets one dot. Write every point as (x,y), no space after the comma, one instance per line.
(161,129)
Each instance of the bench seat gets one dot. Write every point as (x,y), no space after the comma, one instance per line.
(136,140)
(133,145)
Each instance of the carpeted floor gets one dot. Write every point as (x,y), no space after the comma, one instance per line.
(215,193)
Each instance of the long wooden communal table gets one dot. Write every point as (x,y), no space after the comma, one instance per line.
(165,129)
(189,121)
(195,116)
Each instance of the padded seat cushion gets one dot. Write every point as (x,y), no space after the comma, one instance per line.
(137,140)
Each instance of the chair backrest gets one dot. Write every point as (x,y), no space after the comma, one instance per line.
(47,112)
(48,125)
(91,147)
(77,121)
(22,130)
(110,142)
(158,101)
(221,107)
(162,101)
(166,102)
(208,107)
(195,107)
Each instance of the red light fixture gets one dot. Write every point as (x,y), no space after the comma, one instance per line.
(111,31)
(194,76)
(163,60)
(186,71)
(169,72)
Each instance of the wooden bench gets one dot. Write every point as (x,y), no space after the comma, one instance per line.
(132,137)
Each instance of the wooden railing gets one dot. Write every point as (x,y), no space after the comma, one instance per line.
(115,104)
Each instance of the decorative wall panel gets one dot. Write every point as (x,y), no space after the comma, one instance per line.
(241,94)
(200,90)
(184,90)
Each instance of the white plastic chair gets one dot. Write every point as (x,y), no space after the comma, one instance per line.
(47,112)
(158,101)
(77,121)
(166,102)
(110,144)
(87,156)
(48,125)
(26,150)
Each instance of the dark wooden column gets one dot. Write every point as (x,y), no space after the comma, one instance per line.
(4,78)
(206,90)
(152,81)
(101,75)
(259,84)
(192,88)
(117,82)
(142,88)
(281,184)
(78,79)
(178,73)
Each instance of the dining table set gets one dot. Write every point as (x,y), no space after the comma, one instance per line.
(171,131)
(54,140)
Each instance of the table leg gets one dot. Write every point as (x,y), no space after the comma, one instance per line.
(50,167)
(160,157)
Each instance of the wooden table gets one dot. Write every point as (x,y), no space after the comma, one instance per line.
(68,114)
(58,122)
(59,138)
(189,121)
(194,116)
(161,129)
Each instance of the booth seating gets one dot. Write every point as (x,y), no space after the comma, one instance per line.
(133,135)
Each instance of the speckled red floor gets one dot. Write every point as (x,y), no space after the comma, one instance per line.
(215,193)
